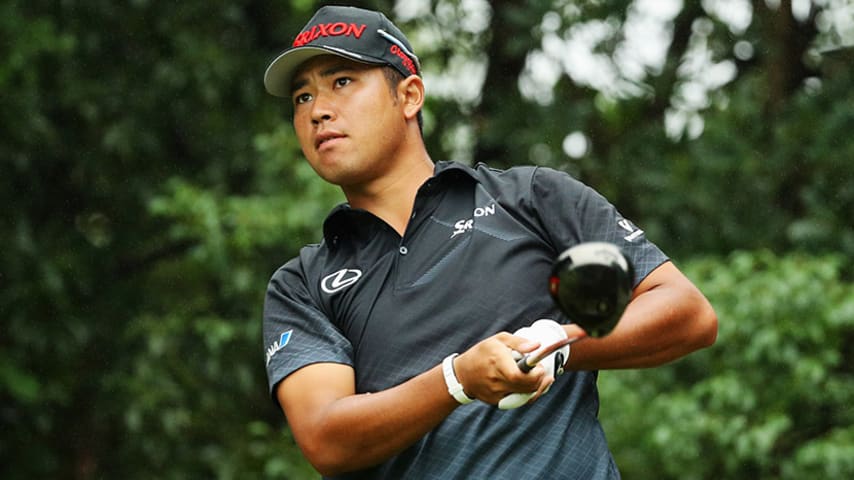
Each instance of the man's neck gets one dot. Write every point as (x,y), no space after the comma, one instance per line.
(392,197)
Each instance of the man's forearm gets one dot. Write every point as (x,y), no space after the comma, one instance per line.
(358,431)
(663,323)
(339,430)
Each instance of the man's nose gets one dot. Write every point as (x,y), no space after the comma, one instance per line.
(322,109)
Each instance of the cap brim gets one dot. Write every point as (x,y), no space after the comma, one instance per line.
(280,72)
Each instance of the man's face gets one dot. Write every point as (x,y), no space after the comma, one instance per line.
(347,120)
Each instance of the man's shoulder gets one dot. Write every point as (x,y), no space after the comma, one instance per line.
(301,264)
(312,254)
(490,176)
(517,174)
(520,181)
(483,169)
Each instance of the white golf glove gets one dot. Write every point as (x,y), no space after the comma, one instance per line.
(546,332)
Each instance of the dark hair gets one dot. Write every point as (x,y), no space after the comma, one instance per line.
(394,77)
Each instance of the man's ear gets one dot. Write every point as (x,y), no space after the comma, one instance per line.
(410,91)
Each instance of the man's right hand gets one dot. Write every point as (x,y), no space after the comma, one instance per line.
(488,370)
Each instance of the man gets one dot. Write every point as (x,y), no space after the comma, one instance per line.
(428,260)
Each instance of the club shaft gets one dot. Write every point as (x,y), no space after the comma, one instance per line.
(529,361)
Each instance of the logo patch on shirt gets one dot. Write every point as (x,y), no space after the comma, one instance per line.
(464,225)
(340,280)
(634,232)
(278,345)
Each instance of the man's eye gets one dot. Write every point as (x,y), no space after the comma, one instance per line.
(340,82)
(302,98)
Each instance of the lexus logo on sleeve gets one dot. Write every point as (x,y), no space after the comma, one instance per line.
(340,280)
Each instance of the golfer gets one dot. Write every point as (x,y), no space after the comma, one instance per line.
(389,344)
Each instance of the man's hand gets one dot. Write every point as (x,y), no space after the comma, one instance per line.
(546,332)
(488,370)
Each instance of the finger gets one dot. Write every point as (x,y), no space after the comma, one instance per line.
(517,343)
(515,348)
(514,400)
(487,370)
(518,381)
(547,383)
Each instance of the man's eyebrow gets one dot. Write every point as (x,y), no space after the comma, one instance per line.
(300,82)
(297,84)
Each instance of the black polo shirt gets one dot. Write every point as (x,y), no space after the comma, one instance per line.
(474,261)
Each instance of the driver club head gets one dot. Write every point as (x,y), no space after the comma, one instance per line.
(591,283)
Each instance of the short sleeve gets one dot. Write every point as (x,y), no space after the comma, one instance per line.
(296,332)
(571,212)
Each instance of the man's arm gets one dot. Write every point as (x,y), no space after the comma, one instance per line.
(339,430)
(667,318)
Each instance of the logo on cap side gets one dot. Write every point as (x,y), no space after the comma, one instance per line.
(336,29)
(407,62)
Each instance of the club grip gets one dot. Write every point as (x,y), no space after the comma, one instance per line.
(523,364)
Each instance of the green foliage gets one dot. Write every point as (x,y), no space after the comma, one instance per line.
(146,208)
(770,400)
(748,182)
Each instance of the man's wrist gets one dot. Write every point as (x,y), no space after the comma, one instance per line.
(455,388)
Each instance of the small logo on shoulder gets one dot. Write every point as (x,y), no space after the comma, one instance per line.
(340,280)
(634,232)
(278,345)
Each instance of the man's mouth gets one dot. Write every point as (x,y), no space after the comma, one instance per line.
(324,137)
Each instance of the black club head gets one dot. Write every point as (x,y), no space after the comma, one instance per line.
(591,283)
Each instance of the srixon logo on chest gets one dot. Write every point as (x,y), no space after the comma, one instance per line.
(465,225)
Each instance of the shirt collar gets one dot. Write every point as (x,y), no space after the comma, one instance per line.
(345,222)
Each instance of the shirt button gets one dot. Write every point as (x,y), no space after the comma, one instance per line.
(403,250)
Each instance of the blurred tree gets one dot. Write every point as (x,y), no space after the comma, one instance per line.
(143,214)
(770,400)
(720,114)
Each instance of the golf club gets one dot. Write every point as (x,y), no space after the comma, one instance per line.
(591,283)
